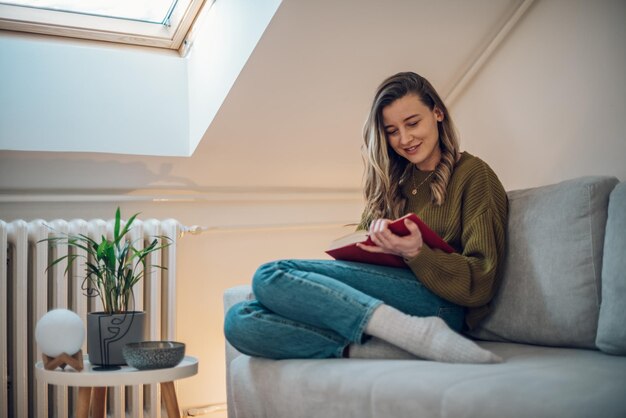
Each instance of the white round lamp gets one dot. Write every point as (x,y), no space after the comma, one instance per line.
(60,331)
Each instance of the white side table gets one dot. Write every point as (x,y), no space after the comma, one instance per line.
(89,381)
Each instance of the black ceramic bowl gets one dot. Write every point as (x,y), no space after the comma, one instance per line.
(148,355)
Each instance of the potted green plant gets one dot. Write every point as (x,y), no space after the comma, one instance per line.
(113,267)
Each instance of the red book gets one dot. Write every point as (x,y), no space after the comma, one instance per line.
(345,248)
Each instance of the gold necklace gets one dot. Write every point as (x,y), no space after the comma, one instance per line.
(414,191)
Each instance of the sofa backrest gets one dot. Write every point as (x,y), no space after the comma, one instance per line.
(611,336)
(551,285)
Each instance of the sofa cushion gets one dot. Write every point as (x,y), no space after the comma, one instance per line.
(550,289)
(532,382)
(611,336)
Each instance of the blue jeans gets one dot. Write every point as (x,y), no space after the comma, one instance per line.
(315,308)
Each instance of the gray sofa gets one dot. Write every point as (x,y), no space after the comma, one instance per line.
(558,321)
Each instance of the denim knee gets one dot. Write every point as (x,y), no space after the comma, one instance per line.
(262,279)
(237,326)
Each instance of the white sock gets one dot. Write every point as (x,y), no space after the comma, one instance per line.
(375,348)
(429,338)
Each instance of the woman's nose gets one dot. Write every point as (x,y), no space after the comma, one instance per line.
(405,138)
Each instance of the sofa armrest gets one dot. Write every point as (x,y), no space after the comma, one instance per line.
(232,296)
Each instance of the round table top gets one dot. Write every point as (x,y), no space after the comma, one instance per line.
(125,376)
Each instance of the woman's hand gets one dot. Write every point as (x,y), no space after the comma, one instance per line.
(386,241)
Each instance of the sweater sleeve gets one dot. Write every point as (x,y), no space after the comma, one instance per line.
(467,278)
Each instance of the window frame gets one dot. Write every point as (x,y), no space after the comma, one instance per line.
(75,25)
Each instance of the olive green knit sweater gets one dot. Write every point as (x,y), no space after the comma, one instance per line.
(473,220)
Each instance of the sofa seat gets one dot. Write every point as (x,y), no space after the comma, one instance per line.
(533,381)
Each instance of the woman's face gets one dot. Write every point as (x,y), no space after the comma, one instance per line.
(411,130)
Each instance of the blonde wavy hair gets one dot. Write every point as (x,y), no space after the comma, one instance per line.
(385,170)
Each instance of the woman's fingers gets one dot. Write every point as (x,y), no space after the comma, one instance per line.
(370,248)
(381,238)
(379,226)
(386,241)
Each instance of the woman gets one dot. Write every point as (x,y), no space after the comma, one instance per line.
(328,308)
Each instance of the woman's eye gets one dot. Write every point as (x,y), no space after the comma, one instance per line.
(391,133)
(414,123)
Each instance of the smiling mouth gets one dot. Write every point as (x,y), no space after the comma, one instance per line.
(412,149)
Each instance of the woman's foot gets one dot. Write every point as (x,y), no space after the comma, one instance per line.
(375,348)
(429,338)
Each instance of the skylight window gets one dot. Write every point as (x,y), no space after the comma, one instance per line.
(152,11)
(158,23)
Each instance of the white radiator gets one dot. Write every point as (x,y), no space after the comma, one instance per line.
(27,292)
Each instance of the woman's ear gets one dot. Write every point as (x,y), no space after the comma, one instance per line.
(439,115)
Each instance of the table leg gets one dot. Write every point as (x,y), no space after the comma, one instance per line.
(99,404)
(84,398)
(169,397)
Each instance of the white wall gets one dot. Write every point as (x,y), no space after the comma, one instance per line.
(231,30)
(57,95)
(549,105)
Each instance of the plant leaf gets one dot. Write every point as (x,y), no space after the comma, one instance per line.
(127,226)
(57,261)
(116,229)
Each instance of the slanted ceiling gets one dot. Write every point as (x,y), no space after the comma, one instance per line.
(302,96)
